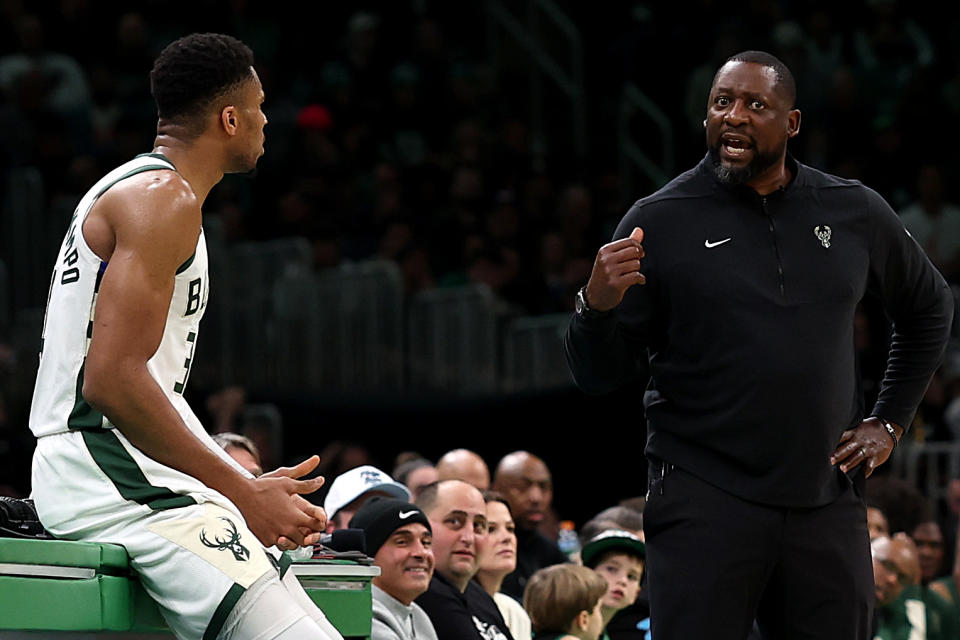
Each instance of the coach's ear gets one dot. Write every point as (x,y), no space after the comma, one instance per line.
(793,123)
(228,119)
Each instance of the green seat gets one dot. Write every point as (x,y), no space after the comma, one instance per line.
(58,585)
(341,588)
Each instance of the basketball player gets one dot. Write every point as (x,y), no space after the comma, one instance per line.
(121,458)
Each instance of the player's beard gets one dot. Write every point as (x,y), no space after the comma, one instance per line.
(740,175)
(244,166)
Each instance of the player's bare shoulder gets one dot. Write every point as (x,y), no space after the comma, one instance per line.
(152,207)
(152,200)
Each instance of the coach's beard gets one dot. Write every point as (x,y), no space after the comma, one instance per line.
(740,175)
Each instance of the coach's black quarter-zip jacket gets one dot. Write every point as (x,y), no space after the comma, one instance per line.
(747,325)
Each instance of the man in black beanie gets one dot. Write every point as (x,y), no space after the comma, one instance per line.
(399,539)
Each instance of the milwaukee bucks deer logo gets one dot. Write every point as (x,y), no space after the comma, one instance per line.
(823,233)
(231,542)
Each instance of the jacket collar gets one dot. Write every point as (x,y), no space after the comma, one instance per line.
(396,607)
(797,178)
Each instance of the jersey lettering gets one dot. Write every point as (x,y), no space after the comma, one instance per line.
(193,297)
(73,273)
(70,276)
(72,233)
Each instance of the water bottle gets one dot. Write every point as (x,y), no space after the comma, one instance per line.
(567,539)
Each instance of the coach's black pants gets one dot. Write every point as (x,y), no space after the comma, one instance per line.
(716,562)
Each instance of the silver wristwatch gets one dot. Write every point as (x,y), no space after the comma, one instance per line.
(583,309)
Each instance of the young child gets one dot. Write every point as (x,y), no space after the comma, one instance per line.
(563,602)
(618,557)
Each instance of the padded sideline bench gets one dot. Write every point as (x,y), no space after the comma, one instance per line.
(59,589)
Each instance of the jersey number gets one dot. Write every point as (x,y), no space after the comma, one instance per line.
(192,343)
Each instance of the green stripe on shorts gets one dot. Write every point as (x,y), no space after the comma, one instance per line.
(223,610)
(115,461)
(285,561)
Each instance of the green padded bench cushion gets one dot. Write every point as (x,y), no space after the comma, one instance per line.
(102,603)
(35,596)
(60,585)
(107,559)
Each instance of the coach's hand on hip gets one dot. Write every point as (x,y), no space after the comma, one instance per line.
(616,269)
(868,443)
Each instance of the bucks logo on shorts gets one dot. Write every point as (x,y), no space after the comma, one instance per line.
(231,541)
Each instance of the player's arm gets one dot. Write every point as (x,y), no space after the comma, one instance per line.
(153,225)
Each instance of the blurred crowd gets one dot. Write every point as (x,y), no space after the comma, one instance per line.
(398,130)
(395,130)
(495,537)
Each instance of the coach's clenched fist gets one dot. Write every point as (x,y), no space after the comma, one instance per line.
(616,269)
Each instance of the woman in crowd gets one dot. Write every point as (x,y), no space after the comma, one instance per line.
(498,557)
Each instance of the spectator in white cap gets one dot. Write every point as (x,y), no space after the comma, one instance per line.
(350,490)
(400,541)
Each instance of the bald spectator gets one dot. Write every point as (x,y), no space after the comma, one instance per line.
(896,572)
(352,489)
(903,609)
(242,449)
(525,481)
(457,605)
(463,464)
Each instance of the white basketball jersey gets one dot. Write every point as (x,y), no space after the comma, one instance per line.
(58,404)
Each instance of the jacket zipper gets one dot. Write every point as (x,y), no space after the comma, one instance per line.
(776,247)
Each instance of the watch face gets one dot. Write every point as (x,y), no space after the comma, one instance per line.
(579,303)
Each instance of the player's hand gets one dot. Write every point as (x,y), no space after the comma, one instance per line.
(277,513)
(868,443)
(616,269)
(311,537)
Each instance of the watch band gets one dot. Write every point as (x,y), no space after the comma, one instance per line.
(583,308)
